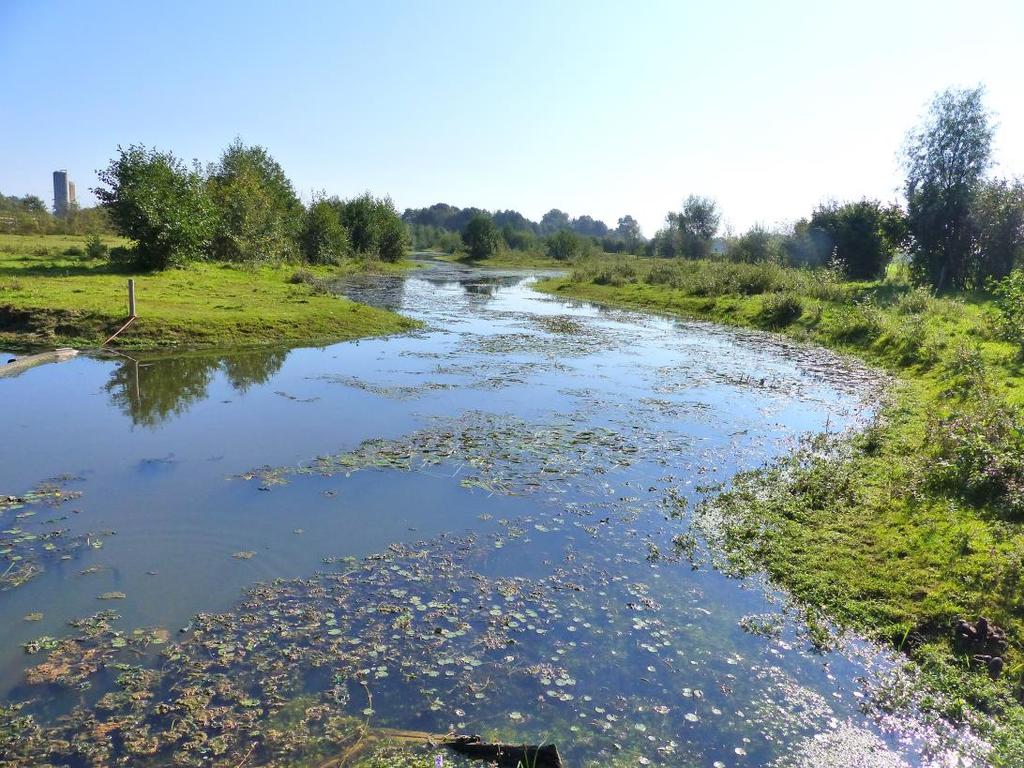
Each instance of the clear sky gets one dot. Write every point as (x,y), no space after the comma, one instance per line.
(593,107)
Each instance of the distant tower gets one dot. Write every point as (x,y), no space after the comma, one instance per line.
(62,194)
(71,194)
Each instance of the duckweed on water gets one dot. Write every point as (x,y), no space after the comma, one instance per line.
(31,536)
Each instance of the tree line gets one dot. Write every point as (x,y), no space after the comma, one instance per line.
(481,233)
(961,229)
(28,215)
(242,209)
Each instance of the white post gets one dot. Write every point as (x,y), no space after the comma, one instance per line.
(131,298)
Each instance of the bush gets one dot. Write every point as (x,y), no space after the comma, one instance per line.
(915,302)
(1009,295)
(324,238)
(481,237)
(375,229)
(859,322)
(780,309)
(564,245)
(74,251)
(978,454)
(95,248)
(155,200)
(617,273)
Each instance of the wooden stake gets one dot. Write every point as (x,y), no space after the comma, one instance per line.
(131,299)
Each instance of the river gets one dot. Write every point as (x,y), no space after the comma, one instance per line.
(480,526)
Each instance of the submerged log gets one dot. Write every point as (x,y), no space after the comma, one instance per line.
(544,756)
(475,748)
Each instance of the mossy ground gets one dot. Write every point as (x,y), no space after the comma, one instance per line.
(52,294)
(860,534)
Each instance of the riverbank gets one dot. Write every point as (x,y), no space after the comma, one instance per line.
(52,294)
(917,522)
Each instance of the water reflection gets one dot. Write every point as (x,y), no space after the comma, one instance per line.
(150,389)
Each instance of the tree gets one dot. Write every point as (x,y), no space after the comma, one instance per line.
(324,237)
(553,221)
(564,245)
(859,236)
(481,237)
(997,215)
(694,227)
(260,216)
(756,246)
(629,230)
(374,227)
(588,226)
(945,159)
(154,199)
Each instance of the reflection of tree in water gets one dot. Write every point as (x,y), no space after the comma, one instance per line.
(485,286)
(153,389)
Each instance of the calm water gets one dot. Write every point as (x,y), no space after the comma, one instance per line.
(526,479)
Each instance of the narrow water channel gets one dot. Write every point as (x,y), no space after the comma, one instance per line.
(481,526)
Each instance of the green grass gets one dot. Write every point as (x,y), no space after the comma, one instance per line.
(866,533)
(53,295)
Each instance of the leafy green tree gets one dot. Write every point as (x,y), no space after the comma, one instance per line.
(260,216)
(998,220)
(553,221)
(946,158)
(564,245)
(757,245)
(481,237)
(324,238)
(859,236)
(693,228)
(629,230)
(374,227)
(154,199)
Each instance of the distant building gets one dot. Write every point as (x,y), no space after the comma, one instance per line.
(63,193)
(71,194)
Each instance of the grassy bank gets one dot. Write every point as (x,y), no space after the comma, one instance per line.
(920,520)
(53,294)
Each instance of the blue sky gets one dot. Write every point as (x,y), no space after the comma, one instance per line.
(593,107)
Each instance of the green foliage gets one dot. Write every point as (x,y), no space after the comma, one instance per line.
(61,300)
(564,245)
(758,245)
(862,237)
(997,215)
(374,227)
(95,248)
(1009,304)
(780,309)
(946,158)
(152,198)
(978,453)
(689,232)
(259,215)
(324,237)
(481,237)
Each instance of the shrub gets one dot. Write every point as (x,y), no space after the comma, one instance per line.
(95,248)
(619,272)
(915,302)
(978,454)
(154,199)
(74,251)
(324,238)
(564,245)
(780,309)
(1009,296)
(858,322)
